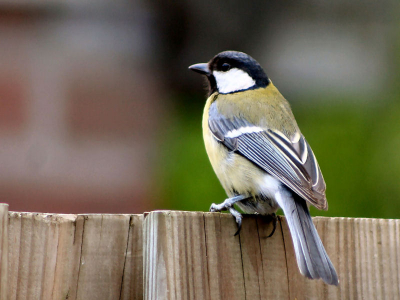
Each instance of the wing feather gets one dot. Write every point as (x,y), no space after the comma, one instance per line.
(293,163)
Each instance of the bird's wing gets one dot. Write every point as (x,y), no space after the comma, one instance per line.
(293,163)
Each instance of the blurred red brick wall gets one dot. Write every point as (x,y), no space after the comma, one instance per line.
(78,108)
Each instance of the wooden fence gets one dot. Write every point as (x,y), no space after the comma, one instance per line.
(188,255)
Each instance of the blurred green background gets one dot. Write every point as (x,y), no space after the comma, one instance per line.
(99,113)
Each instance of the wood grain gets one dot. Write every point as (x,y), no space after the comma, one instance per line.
(132,281)
(75,256)
(3,251)
(189,255)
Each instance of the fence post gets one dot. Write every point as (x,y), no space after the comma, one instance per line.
(3,251)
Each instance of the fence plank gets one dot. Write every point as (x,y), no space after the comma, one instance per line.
(74,256)
(33,240)
(104,246)
(132,283)
(224,261)
(176,250)
(3,251)
(275,284)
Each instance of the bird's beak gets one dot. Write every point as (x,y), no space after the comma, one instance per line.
(200,68)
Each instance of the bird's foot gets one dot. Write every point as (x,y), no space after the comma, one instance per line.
(238,218)
(228,205)
(275,221)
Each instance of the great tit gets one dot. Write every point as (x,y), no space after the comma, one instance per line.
(260,156)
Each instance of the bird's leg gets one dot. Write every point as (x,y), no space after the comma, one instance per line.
(275,220)
(238,217)
(228,205)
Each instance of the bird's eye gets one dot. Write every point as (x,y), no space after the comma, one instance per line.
(225,67)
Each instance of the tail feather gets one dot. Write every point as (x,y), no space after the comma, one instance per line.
(312,259)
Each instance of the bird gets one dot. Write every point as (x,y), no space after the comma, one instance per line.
(260,155)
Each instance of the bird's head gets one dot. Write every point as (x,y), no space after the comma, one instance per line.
(231,72)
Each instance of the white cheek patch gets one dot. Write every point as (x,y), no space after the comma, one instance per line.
(233,80)
(243,130)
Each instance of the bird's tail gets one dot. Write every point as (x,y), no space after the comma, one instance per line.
(312,259)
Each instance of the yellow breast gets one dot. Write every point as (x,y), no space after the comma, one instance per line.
(236,173)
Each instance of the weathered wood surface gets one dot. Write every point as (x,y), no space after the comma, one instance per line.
(193,255)
(3,250)
(189,255)
(74,256)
